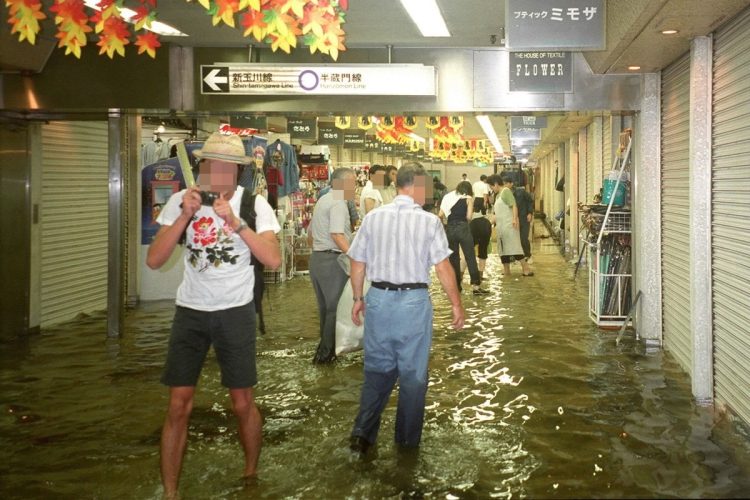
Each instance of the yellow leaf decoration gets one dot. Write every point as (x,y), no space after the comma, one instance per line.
(280,23)
(24,17)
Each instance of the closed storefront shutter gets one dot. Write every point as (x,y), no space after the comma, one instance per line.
(73,220)
(731,216)
(590,164)
(675,131)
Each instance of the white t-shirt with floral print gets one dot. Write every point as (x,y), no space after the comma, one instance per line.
(218,274)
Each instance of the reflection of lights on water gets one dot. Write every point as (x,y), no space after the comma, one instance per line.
(560,410)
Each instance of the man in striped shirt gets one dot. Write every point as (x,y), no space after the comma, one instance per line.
(395,247)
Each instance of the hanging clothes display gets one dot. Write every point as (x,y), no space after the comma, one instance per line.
(288,168)
(154,151)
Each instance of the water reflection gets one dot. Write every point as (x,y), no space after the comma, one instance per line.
(529,400)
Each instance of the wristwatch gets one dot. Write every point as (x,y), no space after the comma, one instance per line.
(243,225)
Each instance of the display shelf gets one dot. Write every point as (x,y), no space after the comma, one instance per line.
(609,257)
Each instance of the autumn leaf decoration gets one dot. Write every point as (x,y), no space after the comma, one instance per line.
(146,41)
(24,17)
(282,24)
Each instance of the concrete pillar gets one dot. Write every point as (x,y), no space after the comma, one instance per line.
(646,215)
(701,65)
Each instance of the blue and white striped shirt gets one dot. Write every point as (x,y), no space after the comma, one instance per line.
(399,242)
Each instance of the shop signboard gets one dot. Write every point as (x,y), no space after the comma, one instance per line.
(540,72)
(355,79)
(330,135)
(371,143)
(528,122)
(249,122)
(354,139)
(559,25)
(388,149)
(302,128)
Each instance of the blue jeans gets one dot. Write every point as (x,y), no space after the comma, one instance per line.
(397,338)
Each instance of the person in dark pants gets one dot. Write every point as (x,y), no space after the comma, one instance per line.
(481,232)
(525,204)
(397,309)
(458,210)
(215,299)
(331,232)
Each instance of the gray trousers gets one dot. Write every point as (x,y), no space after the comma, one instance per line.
(328,280)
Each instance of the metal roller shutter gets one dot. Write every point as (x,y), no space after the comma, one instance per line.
(590,164)
(675,130)
(731,216)
(73,220)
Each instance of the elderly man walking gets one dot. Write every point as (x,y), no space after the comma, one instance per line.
(331,232)
(395,247)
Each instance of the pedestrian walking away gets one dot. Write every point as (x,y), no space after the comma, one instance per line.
(457,208)
(331,232)
(395,248)
(507,224)
(215,299)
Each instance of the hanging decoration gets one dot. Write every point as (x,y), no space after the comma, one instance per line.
(342,122)
(364,122)
(282,24)
(24,17)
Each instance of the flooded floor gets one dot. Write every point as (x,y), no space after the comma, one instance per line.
(529,400)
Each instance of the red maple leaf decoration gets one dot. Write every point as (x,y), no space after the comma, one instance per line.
(148,42)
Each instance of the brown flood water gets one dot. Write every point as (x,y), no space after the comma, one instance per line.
(529,400)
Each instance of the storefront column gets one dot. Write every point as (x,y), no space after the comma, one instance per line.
(574,220)
(701,68)
(115,302)
(646,201)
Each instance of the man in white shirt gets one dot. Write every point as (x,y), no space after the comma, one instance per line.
(215,299)
(481,195)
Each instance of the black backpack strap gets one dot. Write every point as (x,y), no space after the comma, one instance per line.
(247,208)
(247,212)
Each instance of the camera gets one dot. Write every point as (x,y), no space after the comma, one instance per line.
(209,197)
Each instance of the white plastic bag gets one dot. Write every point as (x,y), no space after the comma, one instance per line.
(349,336)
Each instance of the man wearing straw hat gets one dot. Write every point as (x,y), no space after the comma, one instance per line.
(214,301)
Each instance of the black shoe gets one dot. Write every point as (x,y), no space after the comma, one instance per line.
(317,360)
(359,445)
(480,291)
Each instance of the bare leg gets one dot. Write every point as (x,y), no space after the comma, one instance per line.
(525,267)
(248,417)
(174,437)
(506,268)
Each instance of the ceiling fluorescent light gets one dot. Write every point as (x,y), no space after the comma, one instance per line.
(157,27)
(426,15)
(489,131)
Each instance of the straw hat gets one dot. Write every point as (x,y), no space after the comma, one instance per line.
(225,148)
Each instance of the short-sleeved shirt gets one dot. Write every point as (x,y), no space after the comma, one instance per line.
(480,189)
(218,274)
(507,196)
(400,242)
(330,216)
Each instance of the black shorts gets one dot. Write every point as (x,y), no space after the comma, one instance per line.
(232,333)
(481,231)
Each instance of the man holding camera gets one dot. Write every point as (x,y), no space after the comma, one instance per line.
(214,300)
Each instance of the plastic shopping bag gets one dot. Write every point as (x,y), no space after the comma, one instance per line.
(349,337)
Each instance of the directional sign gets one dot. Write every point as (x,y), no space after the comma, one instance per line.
(215,79)
(309,79)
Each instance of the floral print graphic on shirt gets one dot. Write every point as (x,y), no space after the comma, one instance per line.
(210,246)
(205,232)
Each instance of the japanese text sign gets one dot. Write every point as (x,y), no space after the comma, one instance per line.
(330,135)
(355,79)
(302,128)
(556,25)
